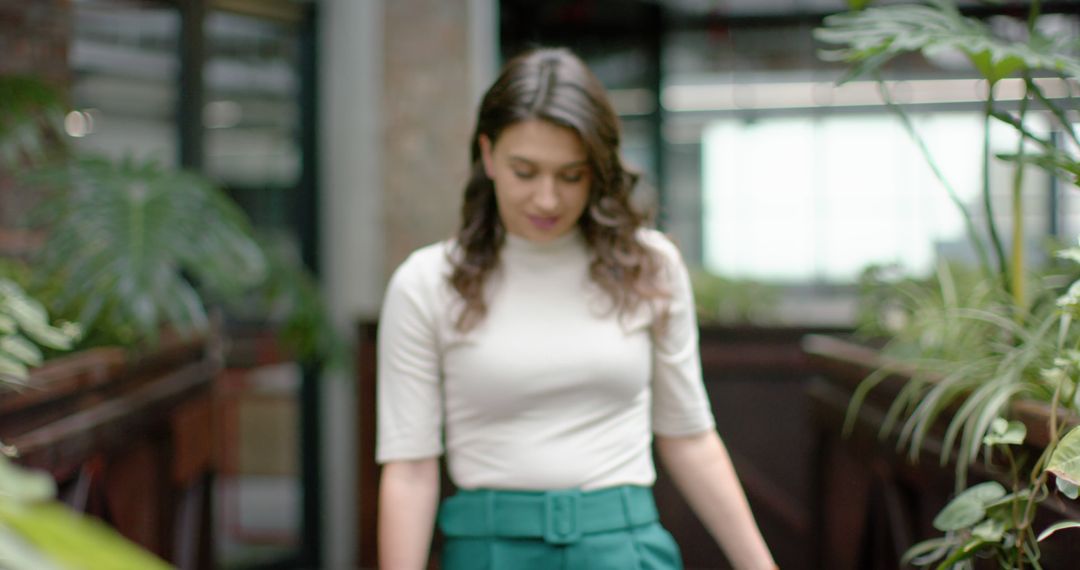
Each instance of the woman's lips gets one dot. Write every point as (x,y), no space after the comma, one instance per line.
(544,222)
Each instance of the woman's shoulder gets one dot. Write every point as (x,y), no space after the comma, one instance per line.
(425,267)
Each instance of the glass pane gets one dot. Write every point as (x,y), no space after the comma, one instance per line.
(125,64)
(251,129)
(252,114)
(819,198)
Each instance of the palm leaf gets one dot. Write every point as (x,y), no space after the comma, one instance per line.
(145,237)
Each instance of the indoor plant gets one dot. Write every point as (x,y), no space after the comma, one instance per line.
(973,348)
(131,246)
(129,249)
(36,531)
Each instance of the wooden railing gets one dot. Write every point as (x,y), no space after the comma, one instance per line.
(128,440)
(872,502)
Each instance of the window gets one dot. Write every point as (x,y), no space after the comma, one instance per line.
(125,64)
(819,198)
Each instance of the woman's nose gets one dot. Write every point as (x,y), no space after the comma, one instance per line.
(546,197)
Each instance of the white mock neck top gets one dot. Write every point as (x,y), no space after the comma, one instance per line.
(552,389)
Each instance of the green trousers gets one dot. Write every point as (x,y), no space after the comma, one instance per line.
(614,528)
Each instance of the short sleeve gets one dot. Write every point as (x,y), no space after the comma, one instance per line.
(680,404)
(408,390)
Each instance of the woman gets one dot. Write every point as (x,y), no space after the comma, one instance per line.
(546,345)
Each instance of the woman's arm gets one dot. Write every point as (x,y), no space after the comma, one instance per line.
(408,500)
(702,471)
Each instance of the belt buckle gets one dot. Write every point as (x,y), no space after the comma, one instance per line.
(562,516)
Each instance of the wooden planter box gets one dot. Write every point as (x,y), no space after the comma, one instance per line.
(127,440)
(872,503)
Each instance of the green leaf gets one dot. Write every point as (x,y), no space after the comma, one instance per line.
(143,237)
(19,310)
(1068,489)
(1072,254)
(60,338)
(927,551)
(11,368)
(965,551)
(76,541)
(1056,527)
(961,512)
(871,37)
(1004,432)
(22,349)
(985,493)
(989,530)
(8,324)
(969,507)
(27,312)
(995,70)
(17,554)
(19,484)
(1053,161)
(1001,509)
(1065,461)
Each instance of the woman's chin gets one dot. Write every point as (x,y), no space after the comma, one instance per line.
(540,232)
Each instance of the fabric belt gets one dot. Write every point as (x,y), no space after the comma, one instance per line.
(558,517)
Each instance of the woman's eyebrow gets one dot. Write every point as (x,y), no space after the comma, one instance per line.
(575,164)
(529,162)
(517,158)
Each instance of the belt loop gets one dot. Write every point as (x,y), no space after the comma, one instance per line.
(624,492)
(640,507)
(492,526)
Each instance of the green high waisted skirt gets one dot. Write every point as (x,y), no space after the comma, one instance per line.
(614,528)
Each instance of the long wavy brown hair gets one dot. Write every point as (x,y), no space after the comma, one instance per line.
(554,85)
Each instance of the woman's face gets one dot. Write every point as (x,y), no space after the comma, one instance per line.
(542,177)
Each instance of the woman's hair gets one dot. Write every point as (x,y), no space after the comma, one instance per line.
(553,85)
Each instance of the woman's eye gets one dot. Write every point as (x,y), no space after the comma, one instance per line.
(572,177)
(523,174)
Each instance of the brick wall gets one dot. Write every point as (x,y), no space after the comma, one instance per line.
(34,37)
(427,115)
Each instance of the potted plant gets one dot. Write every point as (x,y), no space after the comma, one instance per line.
(974,346)
(137,256)
(36,531)
(130,247)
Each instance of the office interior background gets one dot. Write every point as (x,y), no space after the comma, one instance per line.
(340,128)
